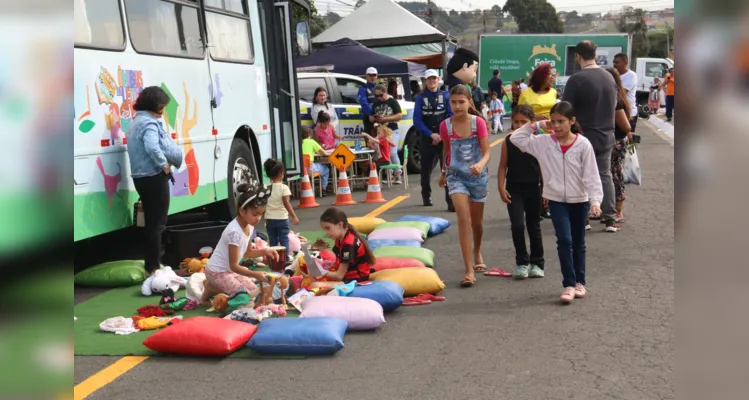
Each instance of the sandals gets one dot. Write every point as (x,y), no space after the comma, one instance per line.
(430,297)
(468,282)
(480,268)
(498,272)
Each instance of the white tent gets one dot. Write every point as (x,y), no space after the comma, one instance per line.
(381,23)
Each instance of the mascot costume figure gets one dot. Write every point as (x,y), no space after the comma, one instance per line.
(461,69)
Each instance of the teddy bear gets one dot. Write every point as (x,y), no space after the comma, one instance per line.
(161,280)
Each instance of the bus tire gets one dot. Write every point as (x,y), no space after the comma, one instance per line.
(241,161)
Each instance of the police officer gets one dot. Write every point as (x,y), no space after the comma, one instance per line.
(431,107)
(367,98)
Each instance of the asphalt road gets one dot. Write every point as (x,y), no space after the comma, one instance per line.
(501,339)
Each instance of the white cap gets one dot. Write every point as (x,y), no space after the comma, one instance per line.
(371,71)
(432,73)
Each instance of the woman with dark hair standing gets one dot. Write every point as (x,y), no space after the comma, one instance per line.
(540,94)
(321,104)
(152,154)
(622,134)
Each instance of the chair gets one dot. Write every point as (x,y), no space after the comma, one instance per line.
(312,175)
(392,167)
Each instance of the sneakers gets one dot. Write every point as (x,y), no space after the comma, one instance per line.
(568,295)
(612,226)
(521,272)
(588,227)
(580,291)
(397,180)
(536,272)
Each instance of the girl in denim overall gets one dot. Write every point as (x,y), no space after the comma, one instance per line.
(466,176)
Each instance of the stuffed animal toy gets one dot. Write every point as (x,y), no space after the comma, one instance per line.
(190,266)
(461,68)
(226,304)
(266,293)
(325,259)
(161,280)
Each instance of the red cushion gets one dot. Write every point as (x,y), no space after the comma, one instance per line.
(202,336)
(384,263)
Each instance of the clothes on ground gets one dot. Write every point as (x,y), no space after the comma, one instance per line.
(328,109)
(569,221)
(151,323)
(629,83)
(465,152)
(351,250)
(541,103)
(149,147)
(233,235)
(571,177)
(593,93)
(617,171)
(386,108)
(275,208)
(325,136)
(118,326)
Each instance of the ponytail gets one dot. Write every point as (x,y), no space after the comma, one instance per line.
(368,254)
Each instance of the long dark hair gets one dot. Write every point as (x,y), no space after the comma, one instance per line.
(334,215)
(254,191)
(314,97)
(273,168)
(621,92)
(524,110)
(322,116)
(565,108)
(461,90)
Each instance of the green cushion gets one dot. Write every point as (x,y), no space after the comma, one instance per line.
(391,166)
(420,225)
(113,274)
(417,253)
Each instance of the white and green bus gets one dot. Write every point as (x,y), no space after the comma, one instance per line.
(228,68)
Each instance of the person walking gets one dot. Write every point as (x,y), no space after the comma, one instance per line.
(668,82)
(629,83)
(367,97)
(592,93)
(654,100)
(540,94)
(622,134)
(386,110)
(431,107)
(152,153)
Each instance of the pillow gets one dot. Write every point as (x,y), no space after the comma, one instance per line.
(361,314)
(295,245)
(420,225)
(402,233)
(373,244)
(365,224)
(299,336)
(422,254)
(113,274)
(388,294)
(201,336)
(414,281)
(437,225)
(384,263)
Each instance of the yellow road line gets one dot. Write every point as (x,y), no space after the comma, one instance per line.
(106,376)
(496,142)
(390,204)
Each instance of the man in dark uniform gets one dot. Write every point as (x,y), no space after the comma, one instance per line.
(431,107)
(367,98)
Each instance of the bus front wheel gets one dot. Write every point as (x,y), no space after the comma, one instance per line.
(241,166)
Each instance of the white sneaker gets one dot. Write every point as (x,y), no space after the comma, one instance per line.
(588,227)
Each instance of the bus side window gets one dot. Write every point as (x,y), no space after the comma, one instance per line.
(166,28)
(229,35)
(98,24)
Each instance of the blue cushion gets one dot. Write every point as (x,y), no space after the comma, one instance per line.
(437,225)
(375,243)
(388,294)
(299,336)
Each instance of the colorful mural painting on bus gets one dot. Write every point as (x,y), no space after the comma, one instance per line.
(187,179)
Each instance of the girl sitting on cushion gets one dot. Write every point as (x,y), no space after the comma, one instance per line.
(353,256)
(223,272)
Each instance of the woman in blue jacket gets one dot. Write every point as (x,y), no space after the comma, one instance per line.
(152,155)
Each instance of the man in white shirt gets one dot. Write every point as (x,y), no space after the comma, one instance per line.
(629,82)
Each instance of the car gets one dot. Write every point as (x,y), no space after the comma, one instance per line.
(343,92)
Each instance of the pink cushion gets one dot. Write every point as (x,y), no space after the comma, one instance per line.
(360,313)
(384,263)
(401,233)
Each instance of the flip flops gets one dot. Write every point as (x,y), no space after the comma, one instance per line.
(430,297)
(479,268)
(421,299)
(498,272)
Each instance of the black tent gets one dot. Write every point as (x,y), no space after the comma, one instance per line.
(349,57)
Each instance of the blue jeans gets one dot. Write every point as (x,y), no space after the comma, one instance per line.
(278,233)
(394,159)
(324,170)
(569,221)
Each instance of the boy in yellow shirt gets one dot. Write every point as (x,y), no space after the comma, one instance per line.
(310,148)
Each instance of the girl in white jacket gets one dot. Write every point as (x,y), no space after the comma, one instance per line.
(572,185)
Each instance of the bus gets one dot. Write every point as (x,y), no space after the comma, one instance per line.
(227,66)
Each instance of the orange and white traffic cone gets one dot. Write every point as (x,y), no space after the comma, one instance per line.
(343,197)
(374,195)
(307,197)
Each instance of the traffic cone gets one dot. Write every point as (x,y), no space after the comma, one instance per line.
(307,197)
(374,195)
(343,197)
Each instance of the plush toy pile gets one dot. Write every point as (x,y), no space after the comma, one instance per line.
(263,322)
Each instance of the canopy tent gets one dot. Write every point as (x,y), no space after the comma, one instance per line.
(400,27)
(349,57)
(428,54)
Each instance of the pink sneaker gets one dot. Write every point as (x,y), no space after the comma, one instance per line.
(580,291)
(568,295)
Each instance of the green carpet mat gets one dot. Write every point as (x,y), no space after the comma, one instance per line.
(90,341)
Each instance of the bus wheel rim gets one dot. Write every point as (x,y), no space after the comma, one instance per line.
(240,170)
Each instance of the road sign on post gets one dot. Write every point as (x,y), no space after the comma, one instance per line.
(341,157)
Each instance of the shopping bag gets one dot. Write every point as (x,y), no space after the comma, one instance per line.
(631,168)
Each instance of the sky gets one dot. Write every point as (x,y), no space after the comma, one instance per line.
(581,6)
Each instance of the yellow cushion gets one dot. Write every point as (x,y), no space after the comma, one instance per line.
(413,280)
(365,224)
